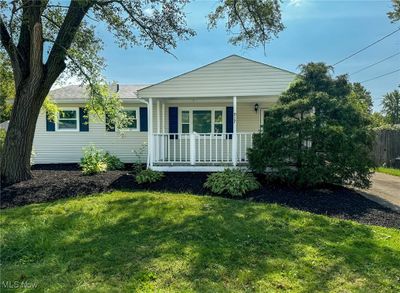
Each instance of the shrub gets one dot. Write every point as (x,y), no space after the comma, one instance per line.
(234,182)
(318,134)
(148,176)
(113,162)
(93,161)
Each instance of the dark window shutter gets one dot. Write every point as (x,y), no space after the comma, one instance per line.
(173,121)
(83,120)
(143,119)
(109,126)
(50,125)
(229,121)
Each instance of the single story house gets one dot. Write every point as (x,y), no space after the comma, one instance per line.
(202,120)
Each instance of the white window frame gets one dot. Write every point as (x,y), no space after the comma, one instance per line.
(76,109)
(137,119)
(191,109)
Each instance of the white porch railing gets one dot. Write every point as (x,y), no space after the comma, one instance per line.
(201,148)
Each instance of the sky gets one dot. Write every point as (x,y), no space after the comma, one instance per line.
(315,30)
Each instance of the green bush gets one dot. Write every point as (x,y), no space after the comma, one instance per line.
(97,160)
(148,176)
(93,161)
(234,182)
(113,162)
(319,133)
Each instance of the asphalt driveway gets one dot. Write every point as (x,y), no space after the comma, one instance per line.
(385,190)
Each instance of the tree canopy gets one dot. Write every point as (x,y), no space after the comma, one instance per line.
(395,14)
(7,91)
(391,107)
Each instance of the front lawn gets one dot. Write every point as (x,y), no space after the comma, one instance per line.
(143,241)
(390,171)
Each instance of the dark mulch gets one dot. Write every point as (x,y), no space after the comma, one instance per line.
(52,182)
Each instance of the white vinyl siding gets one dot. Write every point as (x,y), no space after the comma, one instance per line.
(231,76)
(66,147)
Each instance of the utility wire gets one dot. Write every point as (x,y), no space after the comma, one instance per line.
(376,63)
(381,75)
(365,48)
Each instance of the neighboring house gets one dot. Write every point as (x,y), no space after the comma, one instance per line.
(201,120)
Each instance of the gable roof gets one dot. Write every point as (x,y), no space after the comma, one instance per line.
(230,76)
(78,94)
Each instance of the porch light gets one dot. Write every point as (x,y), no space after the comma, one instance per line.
(256,107)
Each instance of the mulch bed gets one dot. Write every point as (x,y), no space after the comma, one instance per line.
(53,182)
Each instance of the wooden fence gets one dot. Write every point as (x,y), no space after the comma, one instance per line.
(386,147)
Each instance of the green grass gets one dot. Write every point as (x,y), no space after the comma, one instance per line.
(150,242)
(390,171)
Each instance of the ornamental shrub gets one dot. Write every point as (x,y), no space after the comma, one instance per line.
(148,176)
(319,133)
(93,161)
(113,162)
(231,181)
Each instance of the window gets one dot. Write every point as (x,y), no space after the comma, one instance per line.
(218,122)
(202,120)
(68,120)
(185,122)
(132,114)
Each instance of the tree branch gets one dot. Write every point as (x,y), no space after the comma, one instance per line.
(56,61)
(11,50)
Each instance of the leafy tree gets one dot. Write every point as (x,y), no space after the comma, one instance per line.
(395,14)
(46,40)
(7,90)
(361,96)
(378,120)
(391,107)
(316,134)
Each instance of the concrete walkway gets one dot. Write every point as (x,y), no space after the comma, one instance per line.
(385,190)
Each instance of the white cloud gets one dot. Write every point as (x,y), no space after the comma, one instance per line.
(295,3)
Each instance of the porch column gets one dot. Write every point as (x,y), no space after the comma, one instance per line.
(234,136)
(150,134)
(163,117)
(158,116)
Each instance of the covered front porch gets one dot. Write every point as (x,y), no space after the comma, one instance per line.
(204,120)
(196,137)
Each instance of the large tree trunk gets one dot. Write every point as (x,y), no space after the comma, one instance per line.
(15,160)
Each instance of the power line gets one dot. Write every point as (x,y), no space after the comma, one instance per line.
(365,48)
(381,75)
(376,63)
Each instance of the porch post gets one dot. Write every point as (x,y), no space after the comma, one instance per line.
(234,136)
(158,116)
(163,117)
(163,137)
(150,134)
